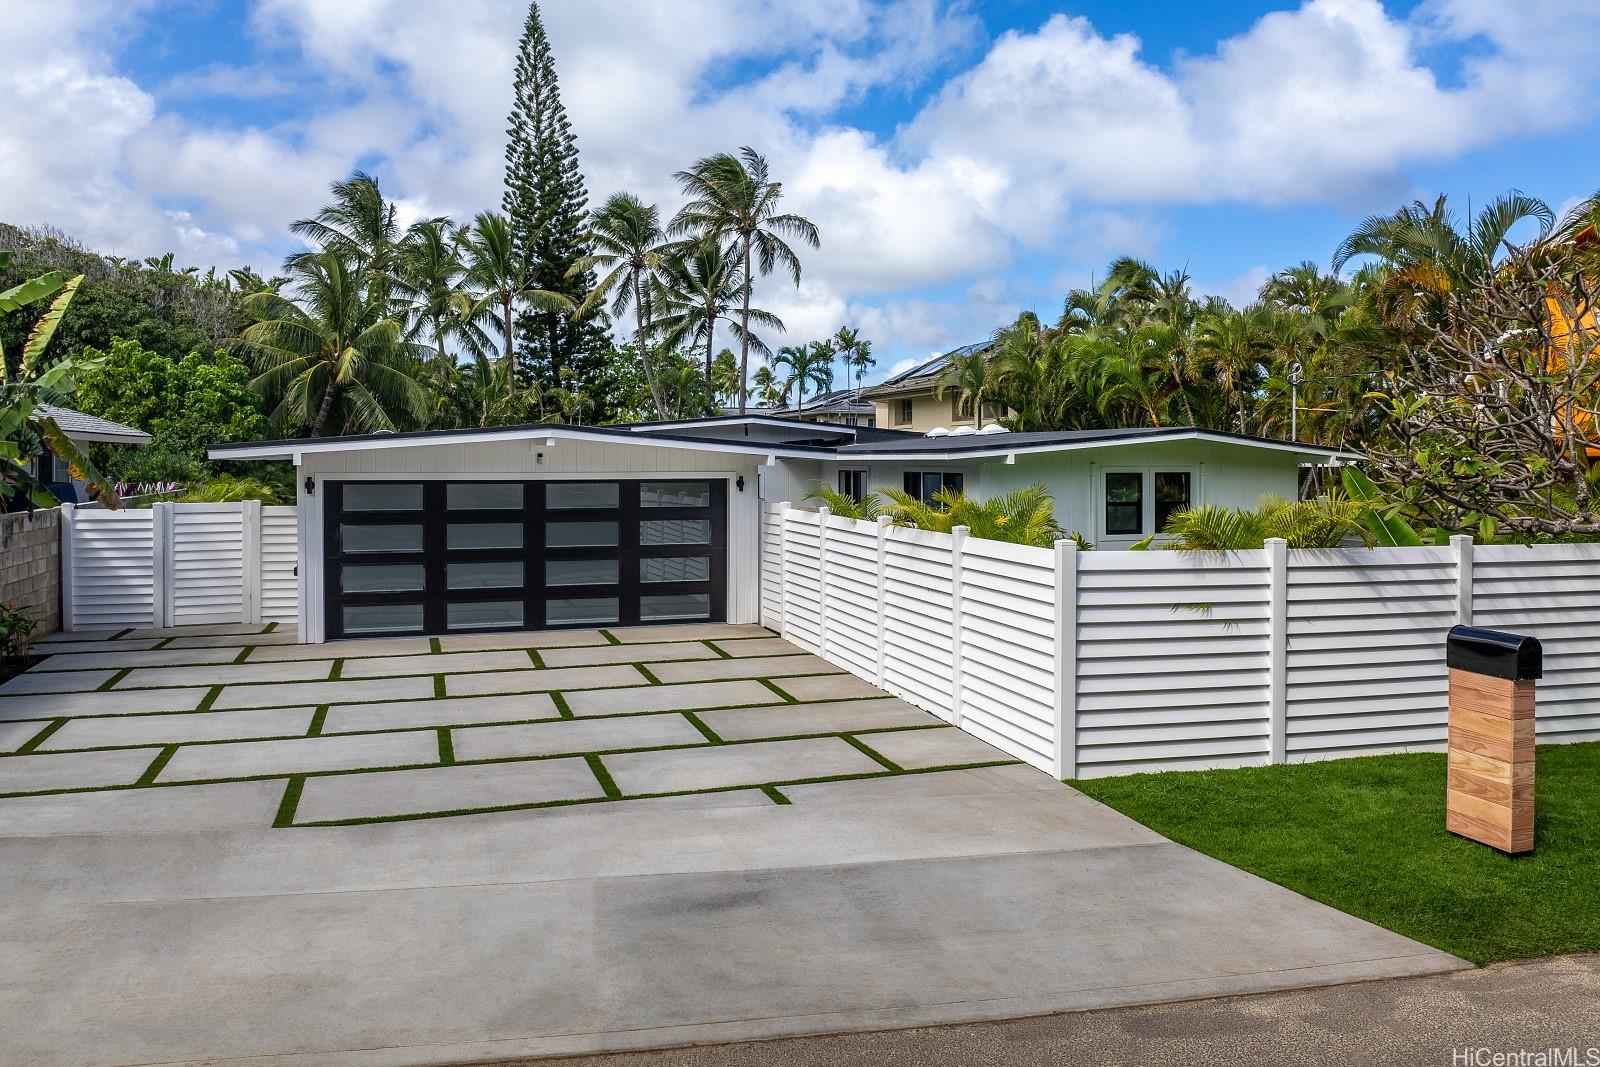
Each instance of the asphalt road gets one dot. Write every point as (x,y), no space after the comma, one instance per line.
(1533,1005)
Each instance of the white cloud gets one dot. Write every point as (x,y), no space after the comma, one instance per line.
(1058,143)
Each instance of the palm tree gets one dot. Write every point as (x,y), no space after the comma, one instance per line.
(810,364)
(335,355)
(970,376)
(502,276)
(700,284)
(1426,255)
(360,225)
(733,197)
(770,391)
(428,277)
(626,233)
(856,353)
(725,375)
(1232,346)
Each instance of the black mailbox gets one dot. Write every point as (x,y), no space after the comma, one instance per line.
(1494,653)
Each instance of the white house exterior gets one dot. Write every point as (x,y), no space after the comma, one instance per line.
(548,526)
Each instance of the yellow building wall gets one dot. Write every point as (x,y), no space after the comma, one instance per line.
(927,412)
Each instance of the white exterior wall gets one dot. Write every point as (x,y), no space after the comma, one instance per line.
(1223,474)
(532,460)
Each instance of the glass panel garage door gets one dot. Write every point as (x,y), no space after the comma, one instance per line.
(441,557)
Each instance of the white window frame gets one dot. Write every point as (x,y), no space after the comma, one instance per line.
(866,477)
(1147,517)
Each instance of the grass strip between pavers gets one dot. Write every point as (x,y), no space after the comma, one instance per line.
(708,732)
(40,738)
(712,645)
(447,747)
(244,653)
(434,647)
(45,667)
(563,709)
(775,795)
(271,626)
(120,634)
(209,699)
(290,802)
(787,698)
(159,645)
(852,739)
(611,638)
(157,765)
(649,675)
(110,683)
(334,671)
(603,776)
(536,659)
(625,797)
(274,775)
(438,687)
(318,717)
(556,698)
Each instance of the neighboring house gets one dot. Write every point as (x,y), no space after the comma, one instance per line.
(547,526)
(83,431)
(910,400)
(843,406)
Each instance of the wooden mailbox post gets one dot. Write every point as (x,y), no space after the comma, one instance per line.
(1490,791)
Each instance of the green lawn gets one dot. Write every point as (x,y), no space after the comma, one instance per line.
(1367,836)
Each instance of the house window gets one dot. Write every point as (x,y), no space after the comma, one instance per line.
(1124,503)
(1172,495)
(923,484)
(902,412)
(961,408)
(853,484)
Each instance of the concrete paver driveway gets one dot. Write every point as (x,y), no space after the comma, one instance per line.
(219,846)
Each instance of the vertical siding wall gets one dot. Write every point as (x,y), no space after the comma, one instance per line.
(177,564)
(1168,660)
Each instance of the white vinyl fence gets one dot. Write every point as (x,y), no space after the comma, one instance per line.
(1088,664)
(175,564)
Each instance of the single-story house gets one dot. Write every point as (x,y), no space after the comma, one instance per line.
(547,526)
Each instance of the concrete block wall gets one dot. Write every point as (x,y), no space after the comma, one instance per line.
(30,565)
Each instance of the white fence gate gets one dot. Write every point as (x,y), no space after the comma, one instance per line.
(1089,664)
(176,564)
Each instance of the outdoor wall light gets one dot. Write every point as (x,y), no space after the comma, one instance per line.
(311,485)
(739,483)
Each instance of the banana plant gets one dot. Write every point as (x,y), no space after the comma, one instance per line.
(25,388)
(1382,519)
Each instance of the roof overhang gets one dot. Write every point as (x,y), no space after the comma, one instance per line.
(109,437)
(995,446)
(294,451)
(723,421)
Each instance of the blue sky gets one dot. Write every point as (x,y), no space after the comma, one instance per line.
(964,160)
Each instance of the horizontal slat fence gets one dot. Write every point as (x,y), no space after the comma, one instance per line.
(1090,664)
(177,564)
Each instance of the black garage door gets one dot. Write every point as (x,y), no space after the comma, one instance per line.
(434,557)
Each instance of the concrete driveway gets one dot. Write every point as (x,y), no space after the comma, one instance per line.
(219,846)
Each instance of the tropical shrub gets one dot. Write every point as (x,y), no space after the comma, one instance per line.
(868,508)
(1326,522)
(16,632)
(226,489)
(1022,516)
